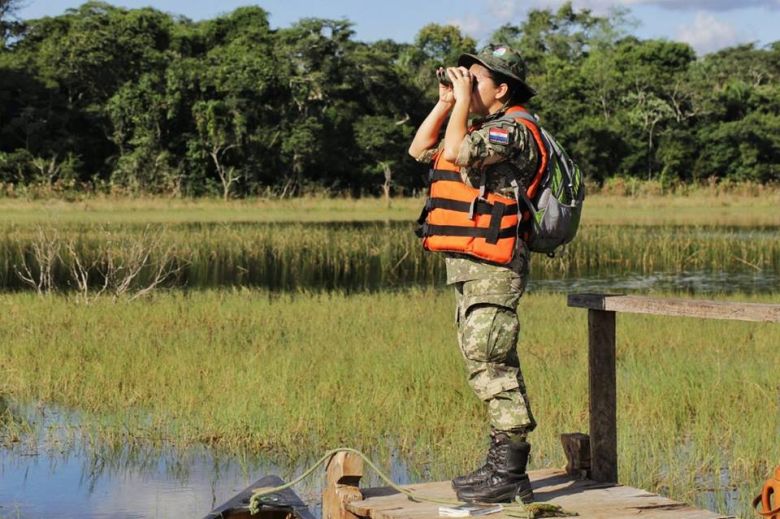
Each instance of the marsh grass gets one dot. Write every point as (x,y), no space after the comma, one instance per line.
(351,256)
(291,375)
(748,205)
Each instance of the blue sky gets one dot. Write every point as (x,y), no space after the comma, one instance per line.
(706,24)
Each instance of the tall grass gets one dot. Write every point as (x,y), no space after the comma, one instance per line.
(294,374)
(355,256)
(636,203)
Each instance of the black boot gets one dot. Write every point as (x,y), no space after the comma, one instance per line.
(508,478)
(480,474)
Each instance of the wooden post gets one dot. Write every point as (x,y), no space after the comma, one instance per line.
(341,485)
(576,446)
(603,395)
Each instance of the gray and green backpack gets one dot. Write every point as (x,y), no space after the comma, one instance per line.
(557,205)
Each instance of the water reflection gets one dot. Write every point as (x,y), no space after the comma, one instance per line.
(56,470)
(59,471)
(45,484)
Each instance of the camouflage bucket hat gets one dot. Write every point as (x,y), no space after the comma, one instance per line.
(501,59)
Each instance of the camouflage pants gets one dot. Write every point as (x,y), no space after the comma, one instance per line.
(488,330)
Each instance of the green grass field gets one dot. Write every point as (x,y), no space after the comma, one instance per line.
(294,374)
(750,207)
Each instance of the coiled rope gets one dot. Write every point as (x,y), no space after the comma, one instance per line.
(515,509)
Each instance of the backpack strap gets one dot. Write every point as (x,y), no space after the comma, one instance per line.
(520,193)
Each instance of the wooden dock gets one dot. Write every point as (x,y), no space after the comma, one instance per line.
(589,485)
(566,488)
(587,498)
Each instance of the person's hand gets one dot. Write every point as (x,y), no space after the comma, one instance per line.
(445,93)
(461,83)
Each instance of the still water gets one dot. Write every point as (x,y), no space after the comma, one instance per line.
(48,483)
(58,472)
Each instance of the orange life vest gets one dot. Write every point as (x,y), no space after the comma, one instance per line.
(463,219)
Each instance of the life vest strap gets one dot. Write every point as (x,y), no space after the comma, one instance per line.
(495,223)
(443,174)
(473,232)
(480,206)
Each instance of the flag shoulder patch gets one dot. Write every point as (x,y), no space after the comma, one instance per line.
(498,136)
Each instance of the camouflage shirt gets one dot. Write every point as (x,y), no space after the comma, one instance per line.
(502,162)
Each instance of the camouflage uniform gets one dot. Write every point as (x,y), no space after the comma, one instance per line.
(487,294)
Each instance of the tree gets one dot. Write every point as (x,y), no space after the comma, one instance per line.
(140,100)
(383,142)
(142,131)
(222,96)
(221,128)
(434,46)
(81,59)
(322,99)
(9,26)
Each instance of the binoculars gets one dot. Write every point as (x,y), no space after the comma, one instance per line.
(441,75)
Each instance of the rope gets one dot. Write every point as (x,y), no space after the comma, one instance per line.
(516,509)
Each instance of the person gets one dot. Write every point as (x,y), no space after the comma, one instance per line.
(494,151)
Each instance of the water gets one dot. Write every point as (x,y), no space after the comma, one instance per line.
(57,471)
(81,483)
(66,485)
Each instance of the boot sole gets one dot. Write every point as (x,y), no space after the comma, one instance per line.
(465,486)
(508,496)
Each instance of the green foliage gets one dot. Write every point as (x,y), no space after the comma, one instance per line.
(8,24)
(137,100)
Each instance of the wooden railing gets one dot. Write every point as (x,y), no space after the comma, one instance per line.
(601,357)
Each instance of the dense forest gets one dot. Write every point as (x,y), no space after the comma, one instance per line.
(137,100)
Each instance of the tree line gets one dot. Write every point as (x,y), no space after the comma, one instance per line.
(103,97)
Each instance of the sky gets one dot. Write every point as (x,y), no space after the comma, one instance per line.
(708,25)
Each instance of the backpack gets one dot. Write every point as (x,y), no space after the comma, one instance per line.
(556,207)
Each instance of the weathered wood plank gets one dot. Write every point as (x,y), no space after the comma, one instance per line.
(341,485)
(603,395)
(677,307)
(590,499)
(576,447)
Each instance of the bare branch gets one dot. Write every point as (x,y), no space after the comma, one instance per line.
(45,254)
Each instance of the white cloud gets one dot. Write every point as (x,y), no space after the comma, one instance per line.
(472,25)
(707,5)
(707,33)
(507,10)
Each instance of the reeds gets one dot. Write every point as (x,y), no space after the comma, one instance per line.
(347,256)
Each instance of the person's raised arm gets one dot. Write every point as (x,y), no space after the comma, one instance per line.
(427,135)
(458,125)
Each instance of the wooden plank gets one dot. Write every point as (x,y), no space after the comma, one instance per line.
(576,447)
(341,485)
(590,499)
(603,395)
(677,307)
